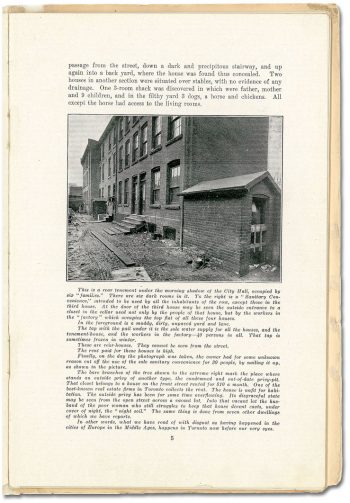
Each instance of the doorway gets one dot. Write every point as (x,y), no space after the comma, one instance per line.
(133,194)
(142,194)
(258,230)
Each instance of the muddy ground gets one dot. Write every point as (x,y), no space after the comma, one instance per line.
(89,259)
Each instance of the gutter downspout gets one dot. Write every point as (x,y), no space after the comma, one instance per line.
(182,224)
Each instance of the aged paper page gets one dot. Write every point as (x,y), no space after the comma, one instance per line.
(280,442)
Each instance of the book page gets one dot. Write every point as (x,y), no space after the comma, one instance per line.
(169,204)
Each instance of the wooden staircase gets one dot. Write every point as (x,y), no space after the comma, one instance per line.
(130,224)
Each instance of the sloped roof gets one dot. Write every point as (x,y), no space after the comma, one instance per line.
(239,182)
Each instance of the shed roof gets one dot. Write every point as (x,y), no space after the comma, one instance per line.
(239,182)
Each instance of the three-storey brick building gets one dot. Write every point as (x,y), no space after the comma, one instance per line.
(199,180)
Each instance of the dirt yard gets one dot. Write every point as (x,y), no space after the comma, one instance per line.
(89,259)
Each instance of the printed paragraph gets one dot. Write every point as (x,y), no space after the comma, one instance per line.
(185,86)
(150,358)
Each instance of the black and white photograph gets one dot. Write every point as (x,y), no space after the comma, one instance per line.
(174,198)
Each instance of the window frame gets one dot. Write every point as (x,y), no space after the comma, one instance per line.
(172,120)
(127,154)
(134,154)
(114,163)
(144,141)
(120,157)
(156,133)
(126,192)
(155,189)
(171,184)
(120,192)
(121,128)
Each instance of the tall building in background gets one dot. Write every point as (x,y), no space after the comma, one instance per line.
(107,164)
(90,163)
(274,161)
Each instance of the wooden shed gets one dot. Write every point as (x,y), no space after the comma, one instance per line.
(235,219)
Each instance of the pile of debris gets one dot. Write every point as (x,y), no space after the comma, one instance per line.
(263,267)
(198,258)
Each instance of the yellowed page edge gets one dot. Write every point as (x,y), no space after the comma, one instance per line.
(127,8)
(334,391)
(5,259)
(333,465)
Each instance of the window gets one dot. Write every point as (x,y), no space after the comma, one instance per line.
(127,153)
(127,123)
(109,191)
(120,192)
(143,140)
(174,126)
(102,192)
(156,132)
(126,191)
(155,181)
(135,146)
(174,171)
(109,168)
(102,172)
(114,163)
(113,189)
(102,150)
(110,141)
(121,158)
(121,128)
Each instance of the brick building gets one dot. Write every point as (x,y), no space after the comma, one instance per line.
(90,163)
(187,179)
(150,173)
(108,162)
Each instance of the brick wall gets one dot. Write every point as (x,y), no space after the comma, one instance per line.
(214,224)
(220,147)
(220,225)
(161,214)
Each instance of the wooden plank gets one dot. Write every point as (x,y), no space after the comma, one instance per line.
(117,251)
(110,232)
